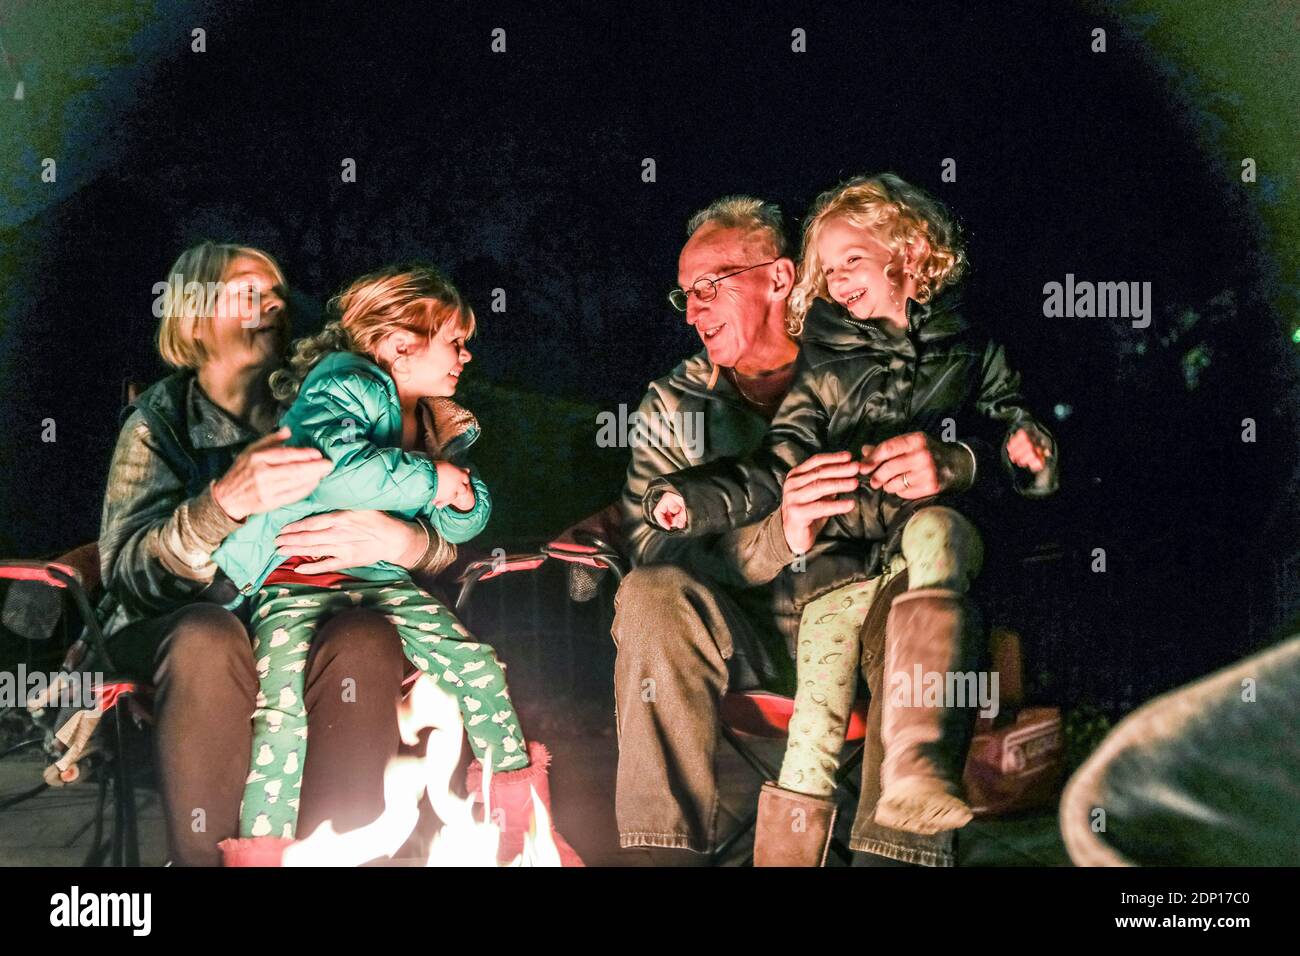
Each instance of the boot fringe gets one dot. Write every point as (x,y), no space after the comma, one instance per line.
(539,762)
(921,805)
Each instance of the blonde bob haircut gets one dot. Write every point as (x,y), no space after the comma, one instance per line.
(411,296)
(184,313)
(900,215)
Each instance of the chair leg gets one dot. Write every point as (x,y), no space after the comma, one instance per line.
(126,844)
(844,782)
(761,766)
(723,848)
(95,856)
(843,779)
(115,834)
(842,851)
(23,797)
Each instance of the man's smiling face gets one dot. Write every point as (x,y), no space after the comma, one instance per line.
(731,322)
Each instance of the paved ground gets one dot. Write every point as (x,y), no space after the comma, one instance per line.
(55,828)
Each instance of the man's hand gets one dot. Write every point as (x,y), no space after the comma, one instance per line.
(267,475)
(916,466)
(352,539)
(670,511)
(453,485)
(1027,448)
(808,496)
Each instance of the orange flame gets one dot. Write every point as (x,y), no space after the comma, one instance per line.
(462,840)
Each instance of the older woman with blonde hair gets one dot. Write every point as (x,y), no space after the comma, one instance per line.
(887,365)
(194,461)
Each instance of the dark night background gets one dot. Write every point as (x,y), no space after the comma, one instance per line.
(522,171)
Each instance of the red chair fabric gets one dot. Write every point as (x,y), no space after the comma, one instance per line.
(514,563)
(760,714)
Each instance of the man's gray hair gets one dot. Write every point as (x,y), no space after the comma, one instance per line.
(744,212)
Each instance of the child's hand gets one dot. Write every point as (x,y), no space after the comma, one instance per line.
(1028,449)
(670,511)
(453,485)
(464,500)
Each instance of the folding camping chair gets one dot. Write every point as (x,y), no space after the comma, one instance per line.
(1013,764)
(124,706)
(756,715)
(77,575)
(744,716)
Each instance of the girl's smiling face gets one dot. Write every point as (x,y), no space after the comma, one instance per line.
(854,263)
(444,357)
(427,366)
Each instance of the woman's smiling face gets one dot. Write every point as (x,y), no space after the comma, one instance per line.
(854,263)
(248,324)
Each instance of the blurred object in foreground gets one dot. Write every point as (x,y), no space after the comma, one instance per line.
(1206,775)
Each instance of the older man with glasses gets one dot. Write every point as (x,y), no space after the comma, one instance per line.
(698,616)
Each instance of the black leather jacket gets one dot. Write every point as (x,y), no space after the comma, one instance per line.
(857,384)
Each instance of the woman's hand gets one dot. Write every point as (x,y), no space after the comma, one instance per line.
(267,475)
(352,539)
(670,511)
(453,487)
(1027,448)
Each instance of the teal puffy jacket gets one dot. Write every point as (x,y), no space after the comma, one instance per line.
(348,408)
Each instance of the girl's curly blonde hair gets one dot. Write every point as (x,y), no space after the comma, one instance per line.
(899,214)
(411,296)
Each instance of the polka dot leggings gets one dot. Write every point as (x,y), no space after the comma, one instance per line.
(285,617)
(940,549)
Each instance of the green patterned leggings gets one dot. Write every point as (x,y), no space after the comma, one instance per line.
(941,549)
(285,617)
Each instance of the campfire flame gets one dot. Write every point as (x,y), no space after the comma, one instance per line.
(539,846)
(462,841)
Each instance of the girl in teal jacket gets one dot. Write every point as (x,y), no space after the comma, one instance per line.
(355,390)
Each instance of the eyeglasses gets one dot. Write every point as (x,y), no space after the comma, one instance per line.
(705,290)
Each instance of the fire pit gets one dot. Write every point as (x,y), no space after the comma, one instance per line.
(463,840)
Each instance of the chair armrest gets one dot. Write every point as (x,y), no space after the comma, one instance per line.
(65,574)
(50,573)
(81,562)
(594,555)
(485,569)
(591,543)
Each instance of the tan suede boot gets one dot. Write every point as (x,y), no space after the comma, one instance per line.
(925,745)
(793,829)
